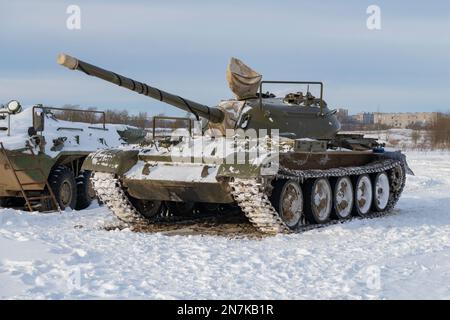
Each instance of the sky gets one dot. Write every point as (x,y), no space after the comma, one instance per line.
(183,47)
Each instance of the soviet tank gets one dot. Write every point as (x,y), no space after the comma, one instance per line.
(280,160)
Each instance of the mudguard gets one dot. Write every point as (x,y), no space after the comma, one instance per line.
(111,161)
(398,155)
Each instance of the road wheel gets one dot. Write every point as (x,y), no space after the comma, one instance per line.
(363,195)
(381,192)
(209,208)
(63,185)
(183,209)
(287,199)
(85,190)
(343,198)
(147,208)
(319,200)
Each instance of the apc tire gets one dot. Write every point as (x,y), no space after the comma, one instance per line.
(4,202)
(85,190)
(63,185)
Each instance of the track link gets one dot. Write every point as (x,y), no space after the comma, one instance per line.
(254,202)
(110,192)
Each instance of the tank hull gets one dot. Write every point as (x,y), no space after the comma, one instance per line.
(157,178)
(188,182)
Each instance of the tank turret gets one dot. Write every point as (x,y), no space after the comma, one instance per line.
(295,115)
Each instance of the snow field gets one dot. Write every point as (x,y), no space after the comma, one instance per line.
(405,255)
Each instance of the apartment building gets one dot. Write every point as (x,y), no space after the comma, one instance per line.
(403,120)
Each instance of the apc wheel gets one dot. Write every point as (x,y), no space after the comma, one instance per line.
(381,192)
(343,198)
(363,195)
(85,190)
(319,201)
(5,202)
(287,198)
(63,185)
(12,202)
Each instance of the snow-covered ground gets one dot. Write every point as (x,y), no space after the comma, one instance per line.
(403,255)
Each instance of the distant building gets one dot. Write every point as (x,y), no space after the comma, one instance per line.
(404,120)
(342,114)
(393,120)
(364,118)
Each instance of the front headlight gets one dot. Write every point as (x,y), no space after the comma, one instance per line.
(14,106)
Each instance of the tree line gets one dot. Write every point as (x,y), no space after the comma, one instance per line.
(439,132)
(140,120)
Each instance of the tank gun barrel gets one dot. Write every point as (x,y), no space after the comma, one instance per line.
(199,110)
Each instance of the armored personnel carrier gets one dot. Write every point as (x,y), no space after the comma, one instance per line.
(280,160)
(41,156)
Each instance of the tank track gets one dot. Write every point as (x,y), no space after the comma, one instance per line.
(109,190)
(254,202)
(251,195)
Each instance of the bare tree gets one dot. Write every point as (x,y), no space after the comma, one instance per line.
(415,136)
(439,132)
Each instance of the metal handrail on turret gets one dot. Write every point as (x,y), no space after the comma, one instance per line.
(293,82)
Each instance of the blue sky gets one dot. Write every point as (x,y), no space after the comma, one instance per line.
(184,47)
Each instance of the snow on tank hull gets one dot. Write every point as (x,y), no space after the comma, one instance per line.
(262,188)
(159,177)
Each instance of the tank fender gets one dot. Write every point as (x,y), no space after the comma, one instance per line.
(398,155)
(111,161)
